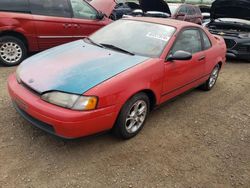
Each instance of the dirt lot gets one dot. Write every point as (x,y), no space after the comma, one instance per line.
(199,140)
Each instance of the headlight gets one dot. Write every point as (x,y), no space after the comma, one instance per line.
(244,35)
(71,101)
(18,74)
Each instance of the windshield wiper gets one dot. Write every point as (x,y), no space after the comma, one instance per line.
(93,42)
(117,48)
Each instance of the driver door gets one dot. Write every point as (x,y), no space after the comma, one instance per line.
(180,76)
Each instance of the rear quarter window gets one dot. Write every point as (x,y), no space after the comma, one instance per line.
(206,40)
(14,6)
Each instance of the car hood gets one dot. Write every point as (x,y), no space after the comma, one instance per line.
(231,9)
(105,6)
(74,67)
(154,5)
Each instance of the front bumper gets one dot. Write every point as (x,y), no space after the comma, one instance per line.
(238,48)
(55,120)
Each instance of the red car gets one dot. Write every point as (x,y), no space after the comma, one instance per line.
(186,12)
(32,25)
(110,81)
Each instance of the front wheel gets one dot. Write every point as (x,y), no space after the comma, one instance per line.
(210,83)
(12,51)
(132,117)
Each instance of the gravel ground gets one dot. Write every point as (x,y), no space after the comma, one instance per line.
(201,139)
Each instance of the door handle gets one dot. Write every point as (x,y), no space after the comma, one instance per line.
(77,26)
(66,25)
(202,58)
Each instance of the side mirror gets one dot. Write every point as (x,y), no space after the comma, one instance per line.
(180,55)
(100,16)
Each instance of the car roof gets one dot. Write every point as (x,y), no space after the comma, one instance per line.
(165,21)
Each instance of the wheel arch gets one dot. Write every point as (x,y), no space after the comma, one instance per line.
(151,95)
(15,34)
(220,64)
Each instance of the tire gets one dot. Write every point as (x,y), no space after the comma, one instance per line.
(129,115)
(113,16)
(210,83)
(12,51)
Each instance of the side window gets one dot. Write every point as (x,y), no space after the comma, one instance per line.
(183,10)
(191,11)
(189,41)
(207,42)
(82,9)
(14,5)
(58,8)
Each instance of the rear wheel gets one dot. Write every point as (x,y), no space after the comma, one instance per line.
(132,117)
(210,83)
(12,51)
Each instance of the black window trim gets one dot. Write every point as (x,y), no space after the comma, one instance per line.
(178,36)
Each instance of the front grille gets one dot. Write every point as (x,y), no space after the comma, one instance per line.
(230,43)
(243,48)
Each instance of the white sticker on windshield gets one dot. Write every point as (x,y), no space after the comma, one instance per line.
(158,36)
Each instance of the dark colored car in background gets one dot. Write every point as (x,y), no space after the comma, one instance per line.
(32,25)
(231,20)
(186,12)
(123,7)
(148,8)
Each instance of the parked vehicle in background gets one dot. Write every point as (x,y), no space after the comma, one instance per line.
(205,11)
(81,88)
(31,25)
(160,8)
(231,20)
(186,12)
(123,7)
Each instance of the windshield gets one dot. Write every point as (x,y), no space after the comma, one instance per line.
(140,38)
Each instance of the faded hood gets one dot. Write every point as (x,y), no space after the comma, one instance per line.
(74,68)
(105,6)
(231,9)
(154,5)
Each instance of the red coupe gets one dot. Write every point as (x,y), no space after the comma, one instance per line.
(114,78)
